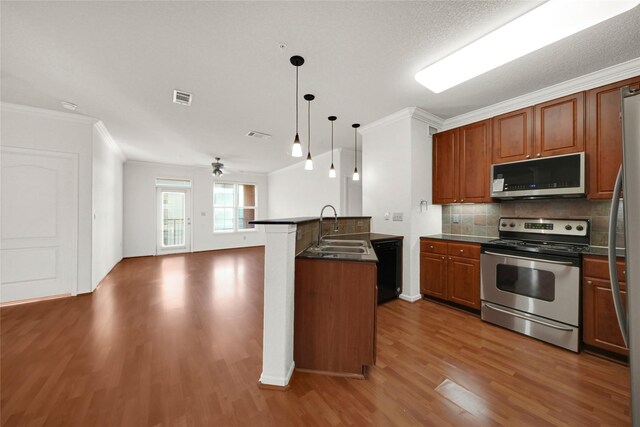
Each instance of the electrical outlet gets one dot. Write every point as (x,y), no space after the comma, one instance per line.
(387,215)
(455,218)
(397,216)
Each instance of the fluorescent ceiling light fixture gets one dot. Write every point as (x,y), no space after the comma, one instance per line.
(544,25)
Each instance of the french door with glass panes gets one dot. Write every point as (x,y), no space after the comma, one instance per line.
(174,220)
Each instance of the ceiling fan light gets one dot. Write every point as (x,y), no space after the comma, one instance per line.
(308,165)
(332,172)
(296,151)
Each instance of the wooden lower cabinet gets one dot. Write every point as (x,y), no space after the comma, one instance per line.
(600,324)
(335,316)
(433,275)
(451,272)
(463,281)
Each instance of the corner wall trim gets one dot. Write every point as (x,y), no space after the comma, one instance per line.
(19,108)
(410,298)
(102,130)
(409,112)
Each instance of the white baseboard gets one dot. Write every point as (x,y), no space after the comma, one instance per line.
(278,381)
(410,298)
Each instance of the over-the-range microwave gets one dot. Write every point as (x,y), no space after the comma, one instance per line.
(557,176)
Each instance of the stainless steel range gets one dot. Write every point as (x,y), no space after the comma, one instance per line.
(530,278)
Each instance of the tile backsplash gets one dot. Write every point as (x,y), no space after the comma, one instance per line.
(482,219)
(307,233)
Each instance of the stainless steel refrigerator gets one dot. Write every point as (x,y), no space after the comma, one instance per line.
(629,178)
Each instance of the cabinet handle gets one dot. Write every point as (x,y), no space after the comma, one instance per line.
(461,250)
(431,247)
(455,200)
(462,200)
(589,282)
(527,156)
(449,257)
(442,257)
(538,155)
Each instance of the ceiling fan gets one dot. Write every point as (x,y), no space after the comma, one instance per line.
(217,168)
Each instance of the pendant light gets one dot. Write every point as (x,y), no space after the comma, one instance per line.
(308,165)
(332,171)
(296,150)
(356,175)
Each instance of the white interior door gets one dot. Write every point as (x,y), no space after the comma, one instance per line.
(174,220)
(39,230)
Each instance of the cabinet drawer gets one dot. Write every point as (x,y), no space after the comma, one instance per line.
(433,247)
(465,250)
(598,267)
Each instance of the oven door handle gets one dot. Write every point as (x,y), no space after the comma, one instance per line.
(525,317)
(531,259)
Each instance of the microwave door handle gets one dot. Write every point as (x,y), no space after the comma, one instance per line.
(613,271)
(530,259)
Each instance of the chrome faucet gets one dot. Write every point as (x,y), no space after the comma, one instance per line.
(335,221)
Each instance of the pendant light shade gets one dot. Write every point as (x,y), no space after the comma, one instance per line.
(332,170)
(296,150)
(356,175)
(308,165)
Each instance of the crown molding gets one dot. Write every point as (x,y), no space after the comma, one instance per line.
(589,81)
(111,143)
(406,113)
(27,109)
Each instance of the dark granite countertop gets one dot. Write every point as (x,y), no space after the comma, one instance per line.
(604,251)
(593,250)
(460,238)
(300,220)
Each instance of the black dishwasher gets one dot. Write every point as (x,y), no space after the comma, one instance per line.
(389,253)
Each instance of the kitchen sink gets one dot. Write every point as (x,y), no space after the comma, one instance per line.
(336,242)
(343,249)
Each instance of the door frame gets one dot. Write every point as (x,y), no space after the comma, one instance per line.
(75,183)
(187,248)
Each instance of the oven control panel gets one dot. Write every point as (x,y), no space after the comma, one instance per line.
(565,227)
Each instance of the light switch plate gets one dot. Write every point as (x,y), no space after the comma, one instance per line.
(387,215)
(397,216)
(455,218)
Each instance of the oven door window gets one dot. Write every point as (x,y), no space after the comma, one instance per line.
(529,282)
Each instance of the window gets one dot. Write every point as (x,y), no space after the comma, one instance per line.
(234,205)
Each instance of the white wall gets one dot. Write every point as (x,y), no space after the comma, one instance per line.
(41,129)
(294,191)
(396,176)
(140,208)
(107,205)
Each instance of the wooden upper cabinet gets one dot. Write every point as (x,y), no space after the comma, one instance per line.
(559,126)
(473,153)
(604,137)
(512,136)
(445,176)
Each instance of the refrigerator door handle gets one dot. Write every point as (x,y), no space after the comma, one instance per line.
(613,271)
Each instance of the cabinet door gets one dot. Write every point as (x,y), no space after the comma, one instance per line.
(463,281)
(600,325)
(473,155)
(512,136)
(433,275)
(559,126)
(445,170)
(604,137)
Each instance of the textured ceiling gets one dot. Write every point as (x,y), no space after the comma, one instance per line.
(120,61)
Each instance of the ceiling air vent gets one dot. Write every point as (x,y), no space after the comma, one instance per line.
(255,134)
(181,97)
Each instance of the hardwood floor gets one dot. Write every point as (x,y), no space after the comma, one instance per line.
(176,341)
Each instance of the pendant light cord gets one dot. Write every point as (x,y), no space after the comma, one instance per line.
(297,99)
(332,143)
(355,144)
(309,127)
